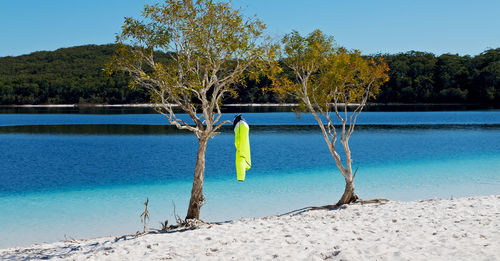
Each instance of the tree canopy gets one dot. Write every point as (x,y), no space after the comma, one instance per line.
(209,47)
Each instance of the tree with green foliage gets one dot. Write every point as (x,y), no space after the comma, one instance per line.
(451,78)
(328,80)
(411,78)
(485,77)
(210,46)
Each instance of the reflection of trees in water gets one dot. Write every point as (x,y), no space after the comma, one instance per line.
(237,108)
(127,129)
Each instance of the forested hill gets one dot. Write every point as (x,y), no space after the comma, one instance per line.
(418,77)
(65,76)
(75,75)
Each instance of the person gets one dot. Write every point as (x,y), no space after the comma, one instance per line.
(242,144)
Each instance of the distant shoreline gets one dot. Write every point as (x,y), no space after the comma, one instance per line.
(141,105)
(147,105)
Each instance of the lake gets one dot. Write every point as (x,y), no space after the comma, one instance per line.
(79,175)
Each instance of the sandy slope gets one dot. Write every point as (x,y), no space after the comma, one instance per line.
(459,229)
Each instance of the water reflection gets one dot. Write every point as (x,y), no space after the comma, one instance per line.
(86,109)
(127,129)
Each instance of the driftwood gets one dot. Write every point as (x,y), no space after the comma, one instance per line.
(375,200)
(145,215)
(358,201)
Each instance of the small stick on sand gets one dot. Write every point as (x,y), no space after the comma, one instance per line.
(145,215)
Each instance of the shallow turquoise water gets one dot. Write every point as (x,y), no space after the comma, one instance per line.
(57,183)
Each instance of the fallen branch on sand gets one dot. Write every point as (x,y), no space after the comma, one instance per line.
(375,200)
(359,201)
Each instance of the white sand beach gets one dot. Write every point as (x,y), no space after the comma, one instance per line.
(451,229)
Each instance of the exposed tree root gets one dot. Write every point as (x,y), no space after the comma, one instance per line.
(187,224)
(353,198)
(357,201)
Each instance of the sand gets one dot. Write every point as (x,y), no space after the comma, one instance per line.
(456,229)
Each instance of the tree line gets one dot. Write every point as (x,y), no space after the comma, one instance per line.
(65,76)
(419,77)
(75,75)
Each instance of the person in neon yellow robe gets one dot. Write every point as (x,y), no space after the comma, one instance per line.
(242,143)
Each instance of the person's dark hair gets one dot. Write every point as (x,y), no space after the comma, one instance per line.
(236,119)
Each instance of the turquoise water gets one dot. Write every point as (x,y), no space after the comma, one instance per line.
(68,174)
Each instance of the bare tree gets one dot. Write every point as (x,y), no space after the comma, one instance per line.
(327,80)
(190,54)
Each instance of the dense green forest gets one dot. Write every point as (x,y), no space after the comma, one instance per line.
(75,75)
(65,76)
(418,77)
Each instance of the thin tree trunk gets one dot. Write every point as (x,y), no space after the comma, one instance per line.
(349,196)
(197,197)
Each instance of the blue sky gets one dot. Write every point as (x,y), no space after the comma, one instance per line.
(373,26)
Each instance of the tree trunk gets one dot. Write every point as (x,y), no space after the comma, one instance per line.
(197,198)
(349,196)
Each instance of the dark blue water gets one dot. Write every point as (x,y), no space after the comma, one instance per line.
(32,162)
(77,174)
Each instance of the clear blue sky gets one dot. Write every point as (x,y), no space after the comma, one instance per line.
(373,26)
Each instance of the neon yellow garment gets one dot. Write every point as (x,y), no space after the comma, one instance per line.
(242,143)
